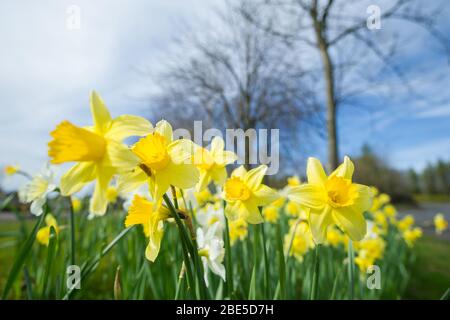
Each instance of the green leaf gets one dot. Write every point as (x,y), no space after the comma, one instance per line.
(23,254)
(252,290)
(51,249)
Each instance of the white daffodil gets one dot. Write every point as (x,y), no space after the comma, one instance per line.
(212,251)
(37,190)
(210,215)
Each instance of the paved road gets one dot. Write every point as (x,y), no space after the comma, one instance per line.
(425,213)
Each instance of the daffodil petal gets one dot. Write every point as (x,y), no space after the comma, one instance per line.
(205,179)
(36,206)
(128,125)
(252,214)
(219,175)
(351,221)
(131,181)
(309,195)
(315,172)
(100,114)
(181,151)
(158,186)
(364,200)
(319,223)
(345,170)
(183,176)
(232,210)
(99,202)
(217,145)
(77,177)
(265,195)
(152,250)
(165,129)
(121,157)
(239,172)
(254,177)
(224,157)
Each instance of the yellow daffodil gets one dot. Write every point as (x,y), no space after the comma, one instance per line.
(296,210)
(142,212)
(333,200)
(203,196)
(270,213)
(440,223)
(163,161)
(43,234)
(390,210)
(411,235)
(334,237)
(381,220)
(77,204)
(112,194)
(211,163)
(405,223)
(11,170)
(97,150)
(238,230)
(293,181)
(244,193)
(364,261)
(298,240)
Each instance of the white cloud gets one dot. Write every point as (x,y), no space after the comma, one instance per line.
(49,70)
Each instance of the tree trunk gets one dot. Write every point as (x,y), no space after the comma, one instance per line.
(331,110)
(330,94)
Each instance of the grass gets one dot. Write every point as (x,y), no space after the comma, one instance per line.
(441,198)
(429,279)
(430,273)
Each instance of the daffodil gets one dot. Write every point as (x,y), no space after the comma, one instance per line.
(203,196)
(238,230)
(405,223)
(112,194)
(211,250)
(270,213)
(77,204)
(411,235)
(244,193)
(333,200)
(37,190)
(97,150)
(211,163)
(293,181)
(440,223)
(164,161)
(11,169)
(334,237)
(43,234)
(211,214)
(142,212)
(298,240)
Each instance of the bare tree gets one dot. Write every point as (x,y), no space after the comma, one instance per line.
(338,34)
(235,75)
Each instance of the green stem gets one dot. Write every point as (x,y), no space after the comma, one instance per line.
(266,262)
(191,246)
(350,256)
(228,259)
(72,233)
(315,278)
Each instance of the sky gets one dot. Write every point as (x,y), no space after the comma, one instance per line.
(47,70)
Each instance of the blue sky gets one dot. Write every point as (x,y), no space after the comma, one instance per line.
(47,72)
